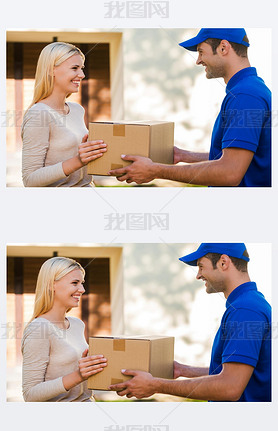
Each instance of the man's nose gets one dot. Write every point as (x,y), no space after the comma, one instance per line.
(198,61)
(198,276)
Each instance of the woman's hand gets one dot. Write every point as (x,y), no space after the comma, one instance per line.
(87,151)
(87,366)
(90,365)
(90,150)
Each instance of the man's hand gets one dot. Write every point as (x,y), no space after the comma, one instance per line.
(140,386)
(140,171)
(178,370)
(177,155)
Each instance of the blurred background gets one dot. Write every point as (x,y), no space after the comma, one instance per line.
(131,74)
(131,289)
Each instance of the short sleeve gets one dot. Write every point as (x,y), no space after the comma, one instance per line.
(35,133)
(243,334)
(35,351)
(243,118)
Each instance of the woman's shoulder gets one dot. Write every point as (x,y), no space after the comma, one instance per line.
(38,115)
(75,107)
(38,328)
(38,322)
(38,107)
(74,321)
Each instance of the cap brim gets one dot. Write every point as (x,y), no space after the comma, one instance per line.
(191,259)
(191,44)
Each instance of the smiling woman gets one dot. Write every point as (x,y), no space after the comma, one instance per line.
(55,362)
(56,149)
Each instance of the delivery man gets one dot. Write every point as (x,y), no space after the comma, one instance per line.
(240,152)
(240,366)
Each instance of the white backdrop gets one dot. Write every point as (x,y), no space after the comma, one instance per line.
(195,215)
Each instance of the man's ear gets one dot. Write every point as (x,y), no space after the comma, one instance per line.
(224,47)
(224,262)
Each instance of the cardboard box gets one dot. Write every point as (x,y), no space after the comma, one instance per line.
(154,139)
(154,354)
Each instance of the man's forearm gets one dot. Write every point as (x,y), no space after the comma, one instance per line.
(213,388)
(208,173)
(228,170)
(190,156)
(189,371)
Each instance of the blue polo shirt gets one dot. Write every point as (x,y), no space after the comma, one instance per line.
(244,336)
(244,122)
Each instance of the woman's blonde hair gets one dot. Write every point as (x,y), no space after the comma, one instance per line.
(51,56)
(51,270)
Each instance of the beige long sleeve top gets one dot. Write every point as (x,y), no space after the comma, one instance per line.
(49,353)
(49,138)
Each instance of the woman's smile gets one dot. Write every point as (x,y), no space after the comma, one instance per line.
(76,82)
(76,297)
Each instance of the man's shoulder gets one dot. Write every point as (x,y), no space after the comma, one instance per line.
(252,87)
(250,306)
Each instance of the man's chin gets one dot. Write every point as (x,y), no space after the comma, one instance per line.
(210,290)
(209,75)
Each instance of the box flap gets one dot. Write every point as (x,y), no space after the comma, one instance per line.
(133,123)
(131,337)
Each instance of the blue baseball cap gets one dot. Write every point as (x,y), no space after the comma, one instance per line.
(233,249)
(235,35)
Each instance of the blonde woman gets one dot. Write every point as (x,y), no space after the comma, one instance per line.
(56,364)
(55,146)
